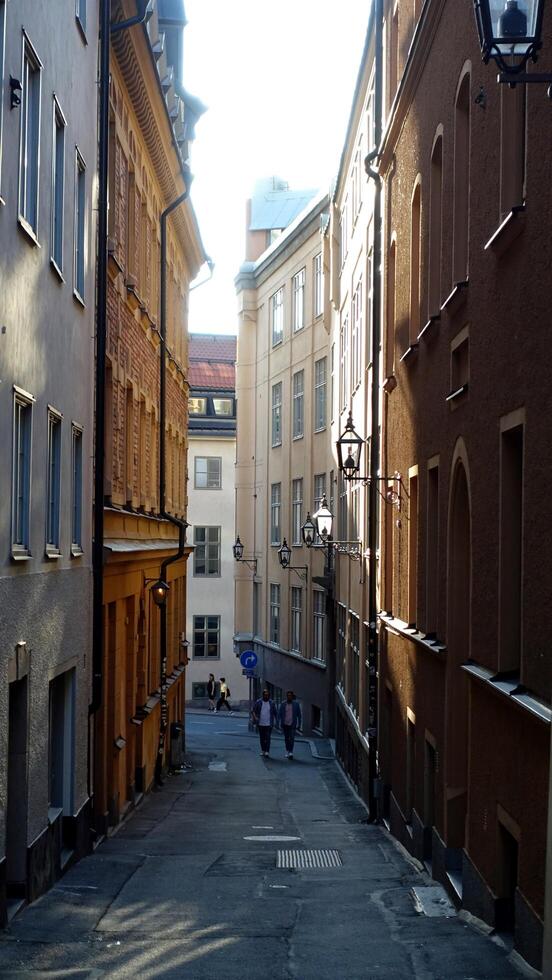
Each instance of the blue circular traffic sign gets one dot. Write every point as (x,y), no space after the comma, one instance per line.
(249,659)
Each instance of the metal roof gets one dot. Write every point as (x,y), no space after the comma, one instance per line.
(276,209)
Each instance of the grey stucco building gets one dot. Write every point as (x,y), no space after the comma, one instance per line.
(48,151)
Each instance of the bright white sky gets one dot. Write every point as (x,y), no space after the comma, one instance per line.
(278,79)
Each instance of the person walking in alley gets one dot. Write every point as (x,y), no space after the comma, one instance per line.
(290,720)
(224,694)
(265,716)
(211,691)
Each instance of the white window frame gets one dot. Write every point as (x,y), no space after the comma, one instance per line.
(296,619)
(80,15)
(53,484)
(21,473)
(318,285)
(356,338)
(76,489)
(319,492)
(208,550)
(79,258)
(275,613)
(320,388)
(212,474)
(277,414)
(29,133)
(277,316)
(319,625)
(297,511)
(298,404)
(275,513)
(59,126)
(205,630)
(344,362)
(298,293)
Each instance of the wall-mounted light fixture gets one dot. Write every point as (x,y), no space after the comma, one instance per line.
(159,590)
(319,526)
(284,557)
(511,36)
(237,551)
(349,453)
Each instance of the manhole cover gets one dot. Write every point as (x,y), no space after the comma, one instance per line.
(307,860)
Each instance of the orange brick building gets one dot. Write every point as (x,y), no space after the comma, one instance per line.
(149,130)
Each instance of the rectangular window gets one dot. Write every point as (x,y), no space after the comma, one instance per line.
(459,367)
(343,531)
(76,492)
(208,472)
(413,550)
(224,406)
(197,406)
(511,547)
(318,285)
(61,739)
(319,492)
(354,650)
(343,362)
(275,614)
(355,513)
(332,382)
(344,231)
(356,340)
(277,310)
(80,225)
(298,285)
(277,414)
(320,394)
(21,480)
(319,625)
(80,13)
(29,138)
(297,511)
(341,639)
(2,50)
(53,482)
(206,644)
(298,404)
(356,182)
(275,504)
(207,552)
(432,561)
(296,615)
(58,181)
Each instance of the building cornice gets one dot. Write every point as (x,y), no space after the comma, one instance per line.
(416,62)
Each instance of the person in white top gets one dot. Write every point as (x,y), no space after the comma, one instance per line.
(264,716)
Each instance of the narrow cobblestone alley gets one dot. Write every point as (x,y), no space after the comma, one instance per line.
(189,887)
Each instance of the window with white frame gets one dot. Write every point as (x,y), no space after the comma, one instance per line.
(275,506)
(341,641)
(224,406)
(355,513)
(319,491)
(29,144)
(343,530)
(318,285)
(206,641)
(207,552)
(296,618)
(277,414)
(76,491)
(343,362)
(53,482)
(80,13)
(354,648)
(332,382)
(356,339)
(58,186)
(277,312)
(2,50)
(197,406)
(344,231)
(298,285)
(319,625)
(298,404)
(21,479)
(80,225)
(208,472)
(320,394)
(356,178)
(297,511)
(274,613)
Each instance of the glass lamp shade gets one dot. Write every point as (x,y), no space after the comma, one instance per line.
(349,448)
(323,518)
(308,531)
(237,549)
(284,554)
(509,31)
(159,592)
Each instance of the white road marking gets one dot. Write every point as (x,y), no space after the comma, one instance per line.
(272,837)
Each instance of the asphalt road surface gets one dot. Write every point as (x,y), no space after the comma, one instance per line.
(189,887)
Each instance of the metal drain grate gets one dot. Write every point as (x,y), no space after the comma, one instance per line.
(309,860)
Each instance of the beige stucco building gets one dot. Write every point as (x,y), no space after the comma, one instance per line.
(283,467)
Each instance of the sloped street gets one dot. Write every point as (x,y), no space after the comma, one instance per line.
(189,887)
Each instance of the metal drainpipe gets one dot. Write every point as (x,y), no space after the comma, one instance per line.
(181,525)
(374,463)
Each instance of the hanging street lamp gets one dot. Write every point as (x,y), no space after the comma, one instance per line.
(323,518)
(510,33)
(349,450)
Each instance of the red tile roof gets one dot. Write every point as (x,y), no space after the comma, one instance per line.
(210,347)
(212,374)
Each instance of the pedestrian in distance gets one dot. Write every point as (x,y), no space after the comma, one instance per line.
(224,694)
(290,721)
(265,716)
(211,691)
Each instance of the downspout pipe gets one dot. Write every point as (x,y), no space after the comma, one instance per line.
(375,449)
(181,525)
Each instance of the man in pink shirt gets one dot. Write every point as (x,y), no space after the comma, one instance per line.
(290,720)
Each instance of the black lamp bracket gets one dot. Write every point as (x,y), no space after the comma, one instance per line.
(251,563)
